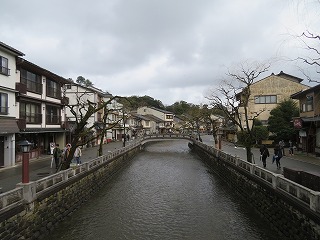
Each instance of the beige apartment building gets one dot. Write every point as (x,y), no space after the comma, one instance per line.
(270,91)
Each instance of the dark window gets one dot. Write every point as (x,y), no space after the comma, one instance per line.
(31,112)
(265,99)
(4,66)
(32,81)
(53,89)
(53,115)
(308,105)
(4,103)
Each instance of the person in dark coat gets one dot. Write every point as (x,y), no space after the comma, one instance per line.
(278,155)
(264,153)
(57,155)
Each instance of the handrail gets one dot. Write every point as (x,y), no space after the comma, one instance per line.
(11,199)
(300,193)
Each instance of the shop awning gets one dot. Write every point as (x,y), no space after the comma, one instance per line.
(311,119)
(43,130)
(8,126)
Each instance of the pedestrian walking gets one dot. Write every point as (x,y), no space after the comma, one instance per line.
(66,153)
(290,148)
(57,155)
(281,145)
(264,153)
(77,155)
(278,155)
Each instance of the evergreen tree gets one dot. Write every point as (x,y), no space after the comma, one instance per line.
(280,120)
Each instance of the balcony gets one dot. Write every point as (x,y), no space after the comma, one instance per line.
(21,88)
(32,86)
(22,123)
(53,119)
(53,92)
(31,118)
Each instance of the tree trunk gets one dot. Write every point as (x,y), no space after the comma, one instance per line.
(249,154)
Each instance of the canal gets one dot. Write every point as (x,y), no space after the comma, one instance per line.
(166,192)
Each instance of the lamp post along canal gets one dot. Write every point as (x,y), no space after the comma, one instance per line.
(25,147)
(124,129)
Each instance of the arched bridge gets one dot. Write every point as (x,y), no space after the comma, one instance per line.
(167,136)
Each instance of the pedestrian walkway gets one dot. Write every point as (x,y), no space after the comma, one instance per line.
(41,167)
(299,161)
(304,157)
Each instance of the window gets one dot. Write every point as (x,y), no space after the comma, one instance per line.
(308,105)
(4,66)
(32,80)
(31,112)
(53,89)
(4,103)
(52,115)
(267,99)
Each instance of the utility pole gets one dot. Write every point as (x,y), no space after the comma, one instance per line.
(124,129)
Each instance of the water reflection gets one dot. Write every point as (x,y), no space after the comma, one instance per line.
(165,193)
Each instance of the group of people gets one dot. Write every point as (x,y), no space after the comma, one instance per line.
(278,153)
(61,156)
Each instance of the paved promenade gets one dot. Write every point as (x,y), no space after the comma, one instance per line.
(40,167)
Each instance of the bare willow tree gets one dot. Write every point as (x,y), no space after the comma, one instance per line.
(82,133)
(311,42)
(214,118)
(233,96)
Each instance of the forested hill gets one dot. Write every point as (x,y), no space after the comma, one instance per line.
(134,102)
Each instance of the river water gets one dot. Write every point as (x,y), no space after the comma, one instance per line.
(166,192)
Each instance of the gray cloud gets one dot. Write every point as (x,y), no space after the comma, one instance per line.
(170,50)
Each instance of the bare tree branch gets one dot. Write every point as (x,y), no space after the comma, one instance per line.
(233,97)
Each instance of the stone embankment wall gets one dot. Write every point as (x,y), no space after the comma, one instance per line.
(292,219)
(36,219)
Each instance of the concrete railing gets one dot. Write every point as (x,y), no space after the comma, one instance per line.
(29,191)
(166,136)
(298,192)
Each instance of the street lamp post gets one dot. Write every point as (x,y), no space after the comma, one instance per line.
(124,129)
(25,147)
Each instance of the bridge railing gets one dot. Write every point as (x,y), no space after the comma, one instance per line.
(11,199)
(167,135)
(29,191)
(300,193)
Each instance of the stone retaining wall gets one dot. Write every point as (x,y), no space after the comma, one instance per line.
(37,219)
(288,217)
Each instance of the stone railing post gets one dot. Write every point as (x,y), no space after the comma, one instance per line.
(64,175)
(252,168)
(237,160)
(29,191)
(315,201)
(87,166)
(275,180)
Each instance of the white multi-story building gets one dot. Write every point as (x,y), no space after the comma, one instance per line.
(39,108)
(164,118)
(8,116)
(79,97)
(31,106)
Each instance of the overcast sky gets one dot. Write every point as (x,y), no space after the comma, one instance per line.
(171,50)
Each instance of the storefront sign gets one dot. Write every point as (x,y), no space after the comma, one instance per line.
(297,123)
